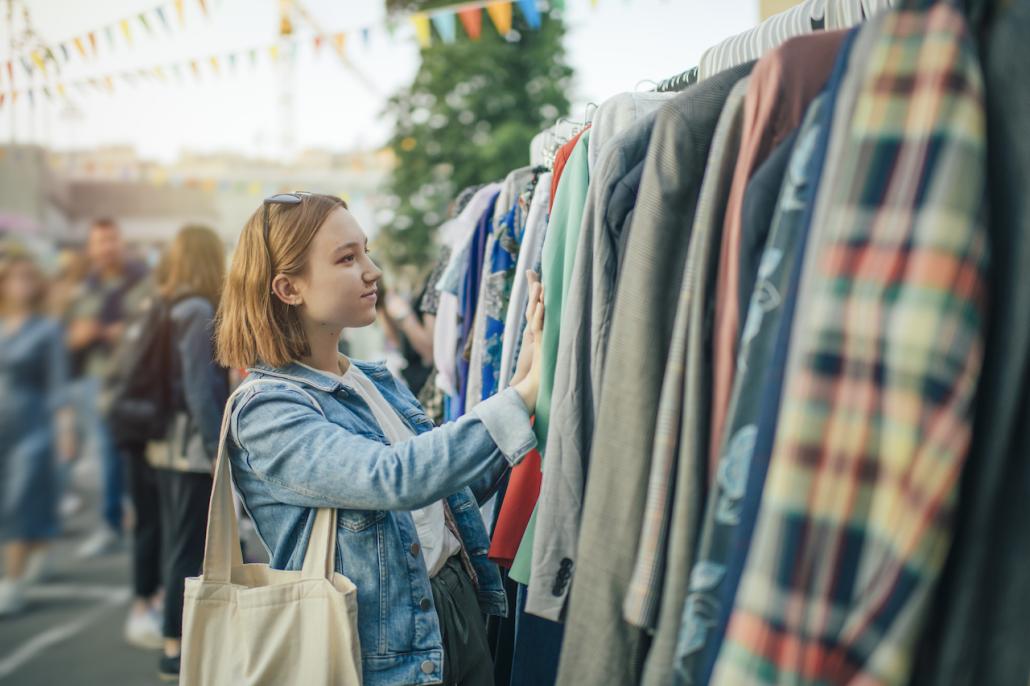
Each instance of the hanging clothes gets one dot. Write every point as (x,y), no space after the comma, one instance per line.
(640,331)
(977,631)
(676,484)
(788,80)
(855,516)
(612,195)
(559,248)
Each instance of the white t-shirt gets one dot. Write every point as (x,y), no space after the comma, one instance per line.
(436,540)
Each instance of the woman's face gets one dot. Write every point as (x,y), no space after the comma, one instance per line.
(20,286)
(339,288)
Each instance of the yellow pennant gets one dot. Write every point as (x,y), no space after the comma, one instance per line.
(39,61)
(215,67)
(124,23)
(273,52)
(80,46)
(500,15)
(339,40)
(422,32)
(60,89)
(180,9)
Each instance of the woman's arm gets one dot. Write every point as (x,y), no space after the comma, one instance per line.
(307,460)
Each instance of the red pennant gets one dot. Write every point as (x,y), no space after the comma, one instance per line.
(472,20)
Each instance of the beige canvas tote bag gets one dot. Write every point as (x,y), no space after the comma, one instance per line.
(252,625)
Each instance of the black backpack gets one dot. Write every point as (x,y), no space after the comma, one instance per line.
(139,386)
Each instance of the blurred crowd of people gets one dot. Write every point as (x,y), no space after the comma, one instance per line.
(85,353)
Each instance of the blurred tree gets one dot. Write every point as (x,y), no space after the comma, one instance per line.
(467,119)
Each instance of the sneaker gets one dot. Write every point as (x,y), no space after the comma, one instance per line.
(168,669)
(102,542)
(12,597)
(143,630)
(40,567)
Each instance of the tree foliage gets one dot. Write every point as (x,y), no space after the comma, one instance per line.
(467,119)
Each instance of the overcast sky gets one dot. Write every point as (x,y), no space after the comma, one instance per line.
(612,48)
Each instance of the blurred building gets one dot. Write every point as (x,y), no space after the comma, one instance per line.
(53,197)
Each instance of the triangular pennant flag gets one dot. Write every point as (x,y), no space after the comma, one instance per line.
(51,56)
(203,7)
(530,11)
(26,65)
(421,23)
(14,96)
(391,26)
(60,89)
(195,67)
(93,43)
(80,47)
(46,92)
(110,83)
(2,97)
(64,52)
(472,20)
(146,24)
(109,32)
(318,43)
(500,14)
(232,61)
(37,59)
(444,23)
(273,52)
(340,40)
(160,12)
(366,36)
(253,57)
(10,71)
(180,9)
(214,66)
(160,73)
(126,31)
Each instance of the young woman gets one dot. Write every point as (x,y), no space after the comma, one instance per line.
(321,430)
(191,283)
(35,426)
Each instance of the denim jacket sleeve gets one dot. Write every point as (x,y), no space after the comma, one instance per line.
(205,385)
(309,461)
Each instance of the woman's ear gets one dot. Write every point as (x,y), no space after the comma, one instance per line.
(284,289)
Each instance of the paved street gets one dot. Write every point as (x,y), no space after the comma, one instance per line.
(71,634)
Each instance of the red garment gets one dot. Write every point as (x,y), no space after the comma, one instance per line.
(560,159)
(516,509)
(781,86)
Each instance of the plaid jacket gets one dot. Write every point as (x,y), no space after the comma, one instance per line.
(875,418)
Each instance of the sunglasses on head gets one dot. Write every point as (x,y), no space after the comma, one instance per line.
(282,199)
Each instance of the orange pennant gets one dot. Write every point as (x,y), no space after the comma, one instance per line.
(124,24)
(472,20)
(180,9)
(339,40)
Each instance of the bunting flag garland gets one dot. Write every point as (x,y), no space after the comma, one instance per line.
(442,21)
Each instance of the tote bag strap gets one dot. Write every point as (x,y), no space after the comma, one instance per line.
(222,549)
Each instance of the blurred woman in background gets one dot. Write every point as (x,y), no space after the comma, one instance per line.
(192,283)
(35,420)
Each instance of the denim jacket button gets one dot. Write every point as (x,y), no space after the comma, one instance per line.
(425,605)
(415,549)
(428,667)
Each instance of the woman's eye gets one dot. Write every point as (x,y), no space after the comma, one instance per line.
(345,259)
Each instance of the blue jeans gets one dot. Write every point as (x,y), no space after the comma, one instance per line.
(94,429)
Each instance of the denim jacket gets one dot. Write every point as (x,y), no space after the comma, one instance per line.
(289,458)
